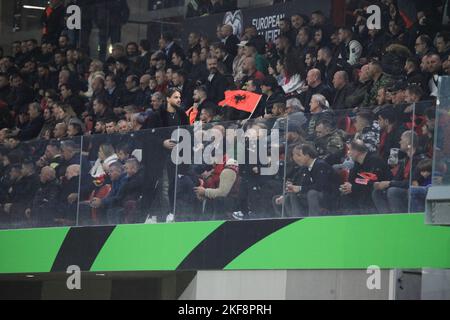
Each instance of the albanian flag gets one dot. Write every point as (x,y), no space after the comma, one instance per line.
(241,100)
(366,177)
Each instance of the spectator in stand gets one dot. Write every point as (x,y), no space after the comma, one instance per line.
(52,21)
(343,90)
(292,72)
(329,142)
(420,186)
(298,20)
(303,41)
(21,94)
(391,132)
(110,126)
(261,63)
(110,202)
(351,48)
(286,29)
(45,202)
(315,86)
(70,97)
(320,110)
(380,80)
(361,89)
(442,45)
(32,128)
(423,45)
(168,46)
(310,61)
(271,90)
(199,73)
(113,93)
(130,96)
(309,185)
(413,74)
(157,101)
(216,84)
(179,61)
(238,62)
(102,110)
(60,131)
(229,40)
(392,196)
(200,101)
(368,169)
(180,82)
(367,130)
(435,70)
(161,80)
(250,71)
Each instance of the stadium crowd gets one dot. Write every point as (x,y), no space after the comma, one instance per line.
(89,141)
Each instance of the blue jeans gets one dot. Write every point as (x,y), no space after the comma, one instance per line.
(418,197)
(391,200)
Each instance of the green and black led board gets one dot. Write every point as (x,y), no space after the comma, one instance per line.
(343,242)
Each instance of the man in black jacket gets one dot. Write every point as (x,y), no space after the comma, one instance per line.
(180,81)
(391,132)
(130,95)
(315,86)
(34,126)
(199,72)
(270,89)
(313,187)
(24,191)
(222,55)
(68,197)
(328,65)
(110,16)
(343,90)
(125,204)
(102,110)
(53,21)
(168,46)
(21,95)
(229,40)
(5,89)
(216,83)
(46,79)
(46,200)
(113,92)
(368,169)
(70,97)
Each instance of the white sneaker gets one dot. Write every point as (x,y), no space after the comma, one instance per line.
(170,218)
(238,215)
(151,220)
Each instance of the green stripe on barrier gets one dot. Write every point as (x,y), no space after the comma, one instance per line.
(151,247)
(351,242)
(32,250)
(346,242)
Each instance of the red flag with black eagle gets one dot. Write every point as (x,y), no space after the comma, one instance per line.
(241,100)
(366,177)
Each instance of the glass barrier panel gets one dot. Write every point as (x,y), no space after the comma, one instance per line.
(317,165)
(227,171)
(247,169)
(126,178)
(441,165)
(40,183)
(420,146)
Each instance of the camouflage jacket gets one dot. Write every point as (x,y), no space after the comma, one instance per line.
(331,145)
(370,99)
(370,136)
